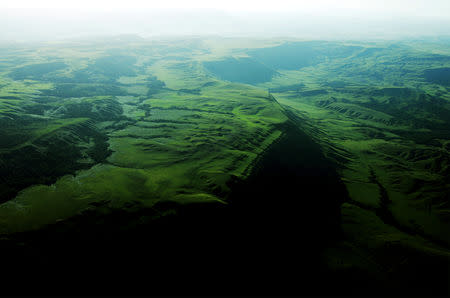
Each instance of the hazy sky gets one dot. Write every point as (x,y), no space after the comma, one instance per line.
(324,7)
(46,19)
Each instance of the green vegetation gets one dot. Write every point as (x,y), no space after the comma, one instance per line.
(156,143)
(144,129)
(438,75)
(243,70)
(36,71)
(295,55)
(382,115)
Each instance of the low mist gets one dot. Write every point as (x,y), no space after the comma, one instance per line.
(48,20)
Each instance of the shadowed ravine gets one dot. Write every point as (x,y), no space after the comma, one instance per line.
(268,238)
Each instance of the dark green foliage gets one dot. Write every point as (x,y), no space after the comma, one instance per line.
(113,66)
(106,110)
(196,91)
(10,97)
(313,92)
(243,70)
(100,151)
(155,86)
(403,93)
(36,71)
(210,84)
(57,153)
(37,109)
(428,58)
(294,87)
(296,55)
(31,165)
(103,70)
(84,90)
(11,134)
(412,107)
(438,75)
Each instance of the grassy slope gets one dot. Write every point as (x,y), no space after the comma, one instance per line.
(386,127)
(166,145)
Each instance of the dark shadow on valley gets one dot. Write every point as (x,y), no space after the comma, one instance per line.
(269,239)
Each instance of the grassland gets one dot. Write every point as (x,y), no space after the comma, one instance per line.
(382,115)
(132,136)
(104,127)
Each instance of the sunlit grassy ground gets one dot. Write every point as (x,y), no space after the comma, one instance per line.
(167,145)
